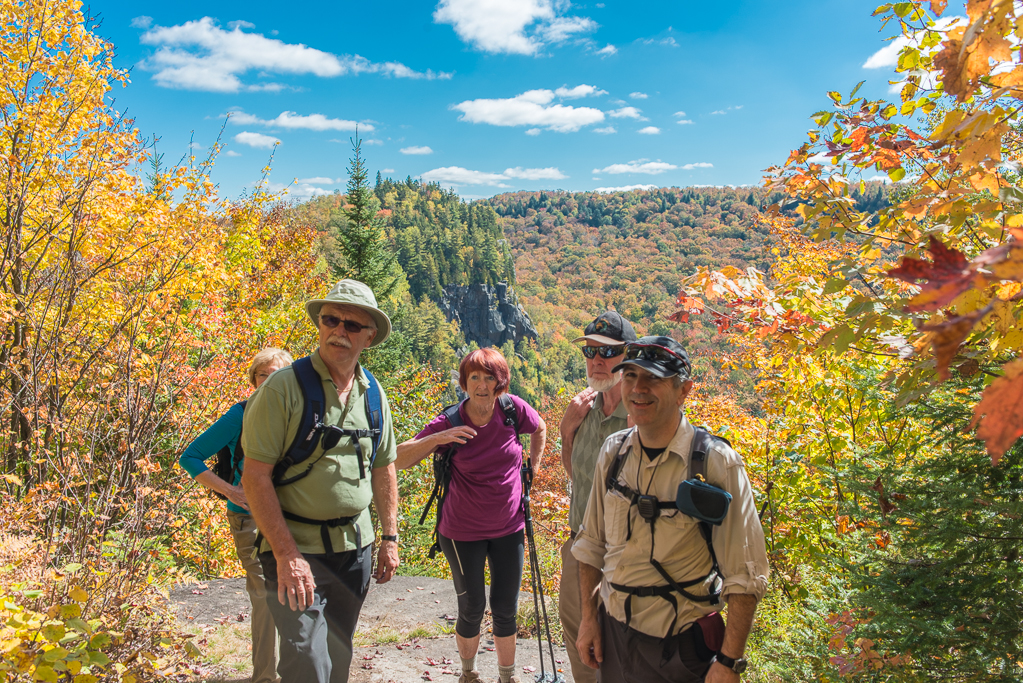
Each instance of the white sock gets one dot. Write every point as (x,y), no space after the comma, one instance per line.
(468,665)
(505,672)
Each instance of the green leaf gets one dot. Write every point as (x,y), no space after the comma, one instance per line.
(836,285)
(897,174)
(1010,194)
(99,641)
(70,611)
(901,9)
(45,674)
(71,568)
(835,96)
(856,89)
(53,632)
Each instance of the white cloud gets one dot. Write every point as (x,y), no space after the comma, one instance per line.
(456,175)
(241,23)
(533,131)
(296,190)
(317,180)
(578,91)
(387,170)
(549,173)
(291,120)
(372,142)
(679,113)
(638,95)
(142,22)
(627,113)
(608,50)
(638,166)
(514,27)
(623,188)
(531,108)
(199,55)
(669,41)
(683,122)
(416,150)
(607,130)
(232,153)
(719,111)
(701,164)
(649,130)
(256,140)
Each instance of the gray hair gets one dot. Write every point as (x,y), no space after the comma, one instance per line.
(266,357)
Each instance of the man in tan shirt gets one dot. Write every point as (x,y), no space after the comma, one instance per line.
(636,627)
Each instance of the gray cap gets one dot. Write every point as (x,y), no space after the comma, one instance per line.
(358,295)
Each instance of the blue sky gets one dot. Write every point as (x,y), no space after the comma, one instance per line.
(489,96)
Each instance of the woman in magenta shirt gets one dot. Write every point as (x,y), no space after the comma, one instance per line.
(482,520)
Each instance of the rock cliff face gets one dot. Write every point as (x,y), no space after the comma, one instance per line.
(487,315)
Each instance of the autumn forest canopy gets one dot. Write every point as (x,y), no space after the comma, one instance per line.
(857,341)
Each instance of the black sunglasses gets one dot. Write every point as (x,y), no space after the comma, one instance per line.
(352,327)
(603,351)
(656,354)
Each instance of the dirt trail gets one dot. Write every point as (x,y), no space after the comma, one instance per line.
(393,627)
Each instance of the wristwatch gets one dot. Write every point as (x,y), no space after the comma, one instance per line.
(389,537)
(736,665)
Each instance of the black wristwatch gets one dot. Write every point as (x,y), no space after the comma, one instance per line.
(389,537)
(736,665)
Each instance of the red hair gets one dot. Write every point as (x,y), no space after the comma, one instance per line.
(489,361)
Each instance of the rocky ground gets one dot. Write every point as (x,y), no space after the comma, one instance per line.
(405,634)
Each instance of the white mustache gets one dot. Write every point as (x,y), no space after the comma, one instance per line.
(340,341)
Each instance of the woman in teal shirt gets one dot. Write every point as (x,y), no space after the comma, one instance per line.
(226,432)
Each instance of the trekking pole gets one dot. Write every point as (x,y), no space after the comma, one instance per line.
(539,603)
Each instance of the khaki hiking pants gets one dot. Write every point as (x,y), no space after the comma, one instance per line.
(264,635)
(570,610)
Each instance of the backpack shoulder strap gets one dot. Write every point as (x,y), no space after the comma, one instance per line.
(616,466)
(511,413)
(453,413)
(703,440)
(313,410)
(375,412)
(239,454)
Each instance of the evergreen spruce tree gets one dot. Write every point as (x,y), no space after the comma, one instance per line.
(362,250)
(937,564)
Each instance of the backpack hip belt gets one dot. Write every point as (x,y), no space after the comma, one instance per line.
(650,508)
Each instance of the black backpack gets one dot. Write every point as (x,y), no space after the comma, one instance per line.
(442,461)
(228,463)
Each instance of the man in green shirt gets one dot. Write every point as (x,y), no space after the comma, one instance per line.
(590,418)
(317,574)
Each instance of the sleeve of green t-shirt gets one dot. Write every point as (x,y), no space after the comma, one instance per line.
(387,452)
(266,423)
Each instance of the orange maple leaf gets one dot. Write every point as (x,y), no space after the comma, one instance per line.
(1000,411)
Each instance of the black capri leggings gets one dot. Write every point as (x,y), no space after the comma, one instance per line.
(466,559)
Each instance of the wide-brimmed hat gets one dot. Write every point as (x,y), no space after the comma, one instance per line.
(358,295)
(661,356)
(608,328)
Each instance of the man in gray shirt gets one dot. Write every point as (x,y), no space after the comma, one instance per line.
(590,418)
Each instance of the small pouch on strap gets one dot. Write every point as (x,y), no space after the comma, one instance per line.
(708,635)
(703,501)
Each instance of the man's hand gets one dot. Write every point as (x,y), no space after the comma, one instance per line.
(236,494)
(457,435)
(576,411)
(591,651)
(387,561)
(719,673)
(295,583)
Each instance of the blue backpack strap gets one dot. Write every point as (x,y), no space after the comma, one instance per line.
(313,410)
(375,413)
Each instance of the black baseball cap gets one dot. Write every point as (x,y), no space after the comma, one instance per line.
(661,356)
(609,328)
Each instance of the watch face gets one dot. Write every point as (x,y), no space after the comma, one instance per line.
(740,665)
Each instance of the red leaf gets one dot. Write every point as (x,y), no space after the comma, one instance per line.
(1000,411)
(941,280)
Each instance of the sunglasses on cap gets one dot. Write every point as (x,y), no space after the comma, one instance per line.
(603,351)
(352,327)
(655,354)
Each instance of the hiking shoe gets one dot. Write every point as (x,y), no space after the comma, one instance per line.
(471,677)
